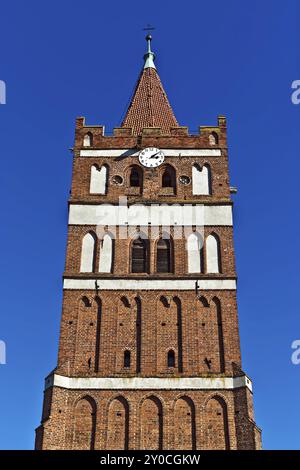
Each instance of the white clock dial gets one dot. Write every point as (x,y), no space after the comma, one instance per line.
(151,157)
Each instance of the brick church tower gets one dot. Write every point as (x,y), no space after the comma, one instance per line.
(149,353)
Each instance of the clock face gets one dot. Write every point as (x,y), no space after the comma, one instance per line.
(151,157)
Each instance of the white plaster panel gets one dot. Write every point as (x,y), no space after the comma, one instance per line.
(212,254)
(150,383)
(200,180)
(194,244)
(87,253)
(150,284)
(218,215)
(167,152)
(105,262)
(154,214)
(98,180)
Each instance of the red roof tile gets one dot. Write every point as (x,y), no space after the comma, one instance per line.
(149,105)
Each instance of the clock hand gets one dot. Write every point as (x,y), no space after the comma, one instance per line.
(154,155)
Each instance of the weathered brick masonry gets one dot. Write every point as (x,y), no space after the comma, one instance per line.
(149,358)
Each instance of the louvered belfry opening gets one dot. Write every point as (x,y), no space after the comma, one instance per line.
(139,256)
(163,260)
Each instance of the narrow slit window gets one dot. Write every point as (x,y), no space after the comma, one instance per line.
(127,359)
(171,358)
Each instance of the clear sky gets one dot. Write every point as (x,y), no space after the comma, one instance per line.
(63,59)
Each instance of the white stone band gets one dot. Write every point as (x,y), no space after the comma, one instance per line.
(148,383)
(167,152)
(150,284)
(168,215)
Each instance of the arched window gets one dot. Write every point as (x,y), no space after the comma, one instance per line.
(213,259)
(213,138)
(88,253)
(163,258)
(195,251)
(127,359)
(139,256)
(88,140)
(98,181)
(168,179)
(171,358)
(106,254)
(216,430)
(201,179)
(184,417)
(118,425)
(84,424)
(136,177)
(151,424)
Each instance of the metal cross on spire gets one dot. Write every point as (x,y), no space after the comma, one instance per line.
(149,28)
(149,56)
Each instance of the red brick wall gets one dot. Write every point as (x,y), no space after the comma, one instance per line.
(148,420)
(82,337)
(97,328)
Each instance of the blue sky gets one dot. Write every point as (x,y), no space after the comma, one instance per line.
(65,59)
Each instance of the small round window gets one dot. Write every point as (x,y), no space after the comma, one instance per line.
(117,179)
(185,179)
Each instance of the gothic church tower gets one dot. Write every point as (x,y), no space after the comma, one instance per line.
(149,353)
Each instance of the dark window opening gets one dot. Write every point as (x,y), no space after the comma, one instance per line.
(163,256)
(135,178)
(167,179)
(139,256)
(127,359)
(171,358)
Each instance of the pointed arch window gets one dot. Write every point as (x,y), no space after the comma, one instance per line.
(195,253)
(171,358)
(139,256)
(106,254)
(163,258)
(88,253)
(213,257)
(88,140)
(135,177)
(98,181)
(213,138)
(168,179)
(201,179)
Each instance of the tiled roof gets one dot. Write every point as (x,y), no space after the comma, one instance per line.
(149,105)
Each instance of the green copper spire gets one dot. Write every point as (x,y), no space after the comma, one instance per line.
(150,56)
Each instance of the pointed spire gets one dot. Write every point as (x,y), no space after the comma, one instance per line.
(149,56)
(149,106)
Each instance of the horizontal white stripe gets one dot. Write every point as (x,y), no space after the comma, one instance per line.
(167,152)
(150,284)
(149,383)
(155,214)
